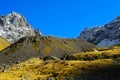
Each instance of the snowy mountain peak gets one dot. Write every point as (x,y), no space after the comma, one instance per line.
(106,35)
(15,18)
(14,14)
(14,26)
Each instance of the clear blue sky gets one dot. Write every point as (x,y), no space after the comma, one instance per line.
(63,18)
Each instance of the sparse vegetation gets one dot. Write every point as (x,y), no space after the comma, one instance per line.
(47,50)
(37,69)
(36,46)
(102,53)
(101,65)
(3,43)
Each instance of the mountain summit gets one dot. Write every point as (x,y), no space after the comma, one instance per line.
(106,35)
(14,26)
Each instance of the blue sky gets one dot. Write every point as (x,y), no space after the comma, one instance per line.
(63,18)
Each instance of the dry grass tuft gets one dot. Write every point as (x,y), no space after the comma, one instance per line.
(3,44)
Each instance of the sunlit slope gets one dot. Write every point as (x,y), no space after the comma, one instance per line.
(3,43)
(99,53)
(101,64)
(35,69)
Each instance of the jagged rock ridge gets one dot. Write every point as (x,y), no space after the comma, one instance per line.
(106,35)
(14,26)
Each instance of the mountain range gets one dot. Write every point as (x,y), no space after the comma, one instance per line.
(22,39)
(103,36)
(28,43)
(26,54)
(14,26)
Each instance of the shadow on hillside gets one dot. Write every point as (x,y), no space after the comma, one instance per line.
(98,72)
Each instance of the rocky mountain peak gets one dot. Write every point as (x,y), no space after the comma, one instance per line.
(117,18)
(14,26)
(106,35)
(15,18)
(14,14)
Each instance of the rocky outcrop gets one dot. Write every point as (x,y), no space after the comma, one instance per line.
(14,26)
(106,35)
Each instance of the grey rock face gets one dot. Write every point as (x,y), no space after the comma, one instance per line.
(106,35)
(14,26)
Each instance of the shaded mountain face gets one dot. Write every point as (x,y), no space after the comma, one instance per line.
(3,43)
(106,35)
(39,46)
(14,26)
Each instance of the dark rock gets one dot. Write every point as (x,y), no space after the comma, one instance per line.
(50,58)
(65,57)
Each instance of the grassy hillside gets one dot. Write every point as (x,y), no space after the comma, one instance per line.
(35,69)
(83,67)
(99,53)
(38,46)
(3,43)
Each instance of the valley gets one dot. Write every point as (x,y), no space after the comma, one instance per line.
(27,54)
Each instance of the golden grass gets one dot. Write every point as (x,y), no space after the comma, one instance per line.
(36,69)
(47,50)
(3,43)
(35,46)
(112,52)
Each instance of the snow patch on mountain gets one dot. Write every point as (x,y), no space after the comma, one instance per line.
(106,35)
(14,26)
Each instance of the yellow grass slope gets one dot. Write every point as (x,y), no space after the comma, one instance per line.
(35,69)
(99,53)
(105,67)
(3,43)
